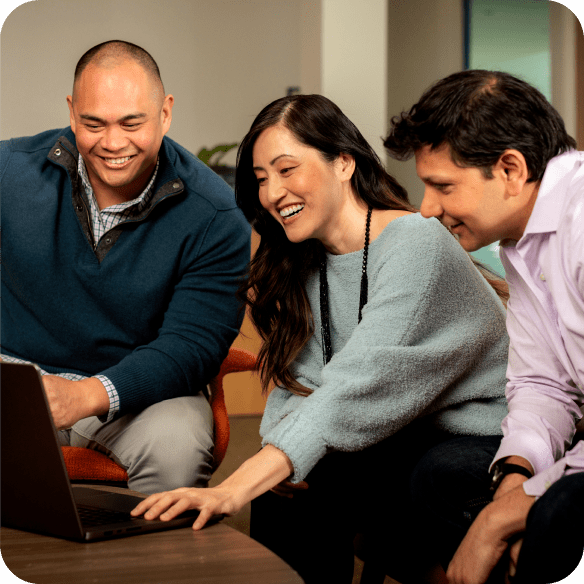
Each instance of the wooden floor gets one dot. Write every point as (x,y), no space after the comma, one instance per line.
(245,442)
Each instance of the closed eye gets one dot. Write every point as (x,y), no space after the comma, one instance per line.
(442,187)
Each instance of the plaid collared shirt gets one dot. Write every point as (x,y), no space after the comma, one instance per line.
(106,219)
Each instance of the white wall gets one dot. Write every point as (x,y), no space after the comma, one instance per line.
(222,60)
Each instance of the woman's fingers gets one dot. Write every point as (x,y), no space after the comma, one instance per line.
(170,504)
(166,505)
(204,516)
(182,505)
(146,504)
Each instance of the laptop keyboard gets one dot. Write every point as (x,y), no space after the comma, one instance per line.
(94,516)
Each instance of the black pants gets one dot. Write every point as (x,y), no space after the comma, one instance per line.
(554,537)
(450,486)
(357,492)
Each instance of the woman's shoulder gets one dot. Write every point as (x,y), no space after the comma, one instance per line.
(413,232)
(421,251)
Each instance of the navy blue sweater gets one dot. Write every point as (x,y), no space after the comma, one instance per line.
(153,307)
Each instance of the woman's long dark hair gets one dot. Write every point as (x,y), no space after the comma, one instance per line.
(275,291)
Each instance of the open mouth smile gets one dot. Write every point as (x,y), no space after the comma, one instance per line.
(117,163)
(290,211)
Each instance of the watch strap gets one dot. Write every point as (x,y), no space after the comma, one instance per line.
(515,468)
(501,470)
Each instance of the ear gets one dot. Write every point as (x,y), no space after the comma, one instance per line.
(513,167)
(345,164)
(71,114)
(166,113)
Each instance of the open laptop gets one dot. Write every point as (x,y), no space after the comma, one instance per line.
(36,492)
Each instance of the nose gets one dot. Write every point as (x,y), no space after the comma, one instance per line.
(275,191)
(430,206)
(114,139)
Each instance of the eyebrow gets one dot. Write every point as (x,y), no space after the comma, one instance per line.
(124,119)
(272,162)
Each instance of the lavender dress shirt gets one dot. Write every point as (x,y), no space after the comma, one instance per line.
(545,321)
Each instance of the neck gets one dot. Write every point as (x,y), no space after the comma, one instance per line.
(347,233)
(531,191)
(106,196)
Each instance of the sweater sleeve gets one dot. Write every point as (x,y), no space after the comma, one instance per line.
(200,323)
(432,337)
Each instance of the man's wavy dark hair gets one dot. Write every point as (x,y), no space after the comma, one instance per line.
(480,114)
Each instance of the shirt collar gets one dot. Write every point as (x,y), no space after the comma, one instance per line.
(142,200)
(551,195)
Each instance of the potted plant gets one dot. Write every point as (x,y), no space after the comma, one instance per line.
(212,159)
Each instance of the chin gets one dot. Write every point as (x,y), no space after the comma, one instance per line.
(468,245)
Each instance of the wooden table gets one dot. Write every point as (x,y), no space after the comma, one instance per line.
(216,554)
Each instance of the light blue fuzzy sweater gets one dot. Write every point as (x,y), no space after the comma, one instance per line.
(432,342)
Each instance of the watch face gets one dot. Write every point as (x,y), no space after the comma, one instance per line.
(497,476)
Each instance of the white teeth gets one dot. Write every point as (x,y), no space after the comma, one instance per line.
(118,160)
(291,210)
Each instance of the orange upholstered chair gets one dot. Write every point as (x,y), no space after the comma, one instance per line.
(89,466)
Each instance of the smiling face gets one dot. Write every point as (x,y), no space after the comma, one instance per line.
(303,192)
(477,209)
(119,117)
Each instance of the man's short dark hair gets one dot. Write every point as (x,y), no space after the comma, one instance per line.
(115,50)
(480,114)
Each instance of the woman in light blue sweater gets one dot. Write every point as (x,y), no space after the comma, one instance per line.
(382,336)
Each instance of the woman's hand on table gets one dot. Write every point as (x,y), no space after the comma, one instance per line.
(169,504)
(262,472)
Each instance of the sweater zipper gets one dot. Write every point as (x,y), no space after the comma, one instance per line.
(93,244)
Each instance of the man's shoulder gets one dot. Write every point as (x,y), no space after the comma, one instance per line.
(43,141)
(200,181)
(563,194)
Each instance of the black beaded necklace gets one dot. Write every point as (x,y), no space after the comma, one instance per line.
(327,351)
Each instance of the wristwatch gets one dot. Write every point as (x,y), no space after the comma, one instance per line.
(501,469)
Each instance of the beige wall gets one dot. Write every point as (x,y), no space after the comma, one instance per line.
(354,63)
(425,44)
(222,60)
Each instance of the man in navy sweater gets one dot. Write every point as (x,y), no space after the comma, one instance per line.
(122,257)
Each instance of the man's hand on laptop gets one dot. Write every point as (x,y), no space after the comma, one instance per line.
(71,401)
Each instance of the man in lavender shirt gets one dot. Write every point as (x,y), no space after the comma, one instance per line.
(498,165)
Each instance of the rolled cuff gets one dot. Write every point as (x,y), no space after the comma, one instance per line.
(301,442)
